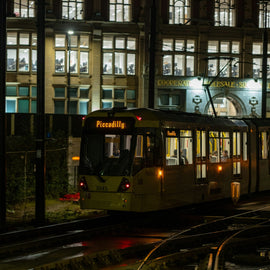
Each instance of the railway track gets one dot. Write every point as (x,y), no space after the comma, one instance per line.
(214,240)
(208,243)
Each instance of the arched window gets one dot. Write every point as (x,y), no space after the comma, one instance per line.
(179,12)
(224,13)
(264,14)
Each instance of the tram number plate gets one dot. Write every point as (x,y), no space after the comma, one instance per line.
(102,188)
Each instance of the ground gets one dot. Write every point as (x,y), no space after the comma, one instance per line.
(56,211)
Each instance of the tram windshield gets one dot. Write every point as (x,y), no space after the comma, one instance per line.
(106,154)
(118,154)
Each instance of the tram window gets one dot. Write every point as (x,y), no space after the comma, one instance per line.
(201,145)
(236,145)
(172,151)
(225,146)
(245,156)
(214,146)
(201,155)
(139,147)
(114,144)
(186,146)
(150,143)
(236,168)
(264,145)
(201,171)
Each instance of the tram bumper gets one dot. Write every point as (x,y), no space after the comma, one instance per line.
(106,201)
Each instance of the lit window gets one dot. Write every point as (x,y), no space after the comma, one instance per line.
(223,58)
(24,39)
(120,10)
(75,57)
(179,59)
(119,56)
(225,13)
(59,61)
(72,9)
(24,8)
(12,38)
(264,13)
(179,12)
(21,52)
(257,53)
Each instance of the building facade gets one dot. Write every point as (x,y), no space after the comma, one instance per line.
(98,55)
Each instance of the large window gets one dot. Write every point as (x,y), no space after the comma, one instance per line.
(223,58)
(119,55)
(179,12)
(225,13)
(178,58)
(120,10)
(118,97)
(71,100)
(179,147)
(72,9)
(21,99)
(24,8)
(21,52)
(219,146)
(72,52)
(257,53)
(264,14)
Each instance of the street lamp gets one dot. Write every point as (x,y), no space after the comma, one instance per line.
(69,33)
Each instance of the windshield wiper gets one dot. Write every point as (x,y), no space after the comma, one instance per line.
(100,178)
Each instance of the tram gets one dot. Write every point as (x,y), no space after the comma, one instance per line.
(141,160)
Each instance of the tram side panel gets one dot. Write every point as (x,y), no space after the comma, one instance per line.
(263,157)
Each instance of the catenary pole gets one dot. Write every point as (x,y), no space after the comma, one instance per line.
(152,50)
(264,62)
(40,137)
(2,114)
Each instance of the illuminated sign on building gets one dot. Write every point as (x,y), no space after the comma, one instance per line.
(219,83)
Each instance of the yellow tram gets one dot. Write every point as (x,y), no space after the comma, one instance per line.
(143,160)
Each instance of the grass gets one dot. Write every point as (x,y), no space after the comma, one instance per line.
(56,211)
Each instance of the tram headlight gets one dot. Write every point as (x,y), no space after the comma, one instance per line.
(124,185)
(83,184)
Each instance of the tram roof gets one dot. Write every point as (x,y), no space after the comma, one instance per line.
(171,117)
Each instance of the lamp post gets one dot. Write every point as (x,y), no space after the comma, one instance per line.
(69,33)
